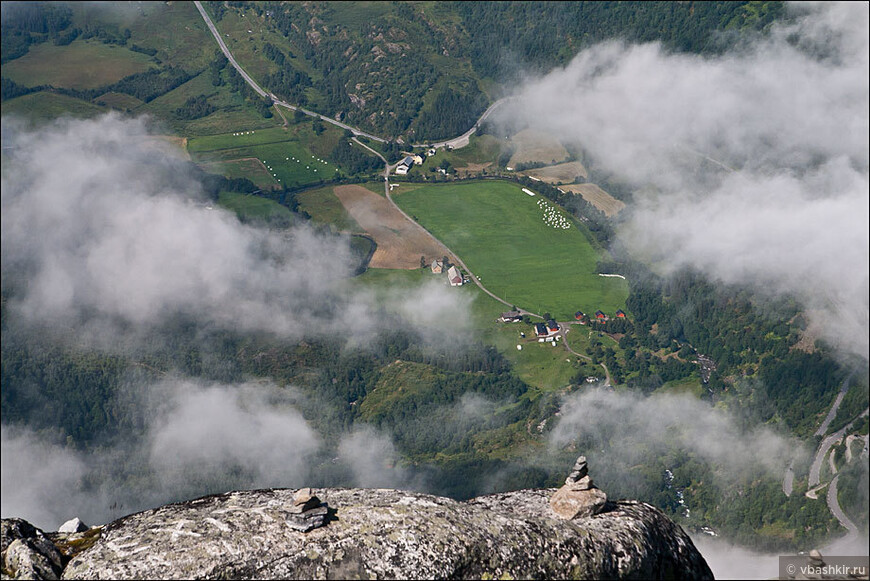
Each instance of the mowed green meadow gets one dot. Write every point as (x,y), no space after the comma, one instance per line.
(289,161)
(502,235)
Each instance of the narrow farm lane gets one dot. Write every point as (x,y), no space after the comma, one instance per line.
(564,333)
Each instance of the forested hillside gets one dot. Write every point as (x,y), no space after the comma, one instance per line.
(414,70)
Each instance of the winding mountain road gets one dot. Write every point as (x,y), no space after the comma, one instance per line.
(454,143)
(813,482)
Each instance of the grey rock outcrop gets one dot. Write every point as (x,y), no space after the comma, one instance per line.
(377,534)
(578,498)
(27,553)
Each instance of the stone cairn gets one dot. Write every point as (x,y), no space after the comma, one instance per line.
(307,512)
(578,498)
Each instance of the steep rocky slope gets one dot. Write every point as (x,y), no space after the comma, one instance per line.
(369,534)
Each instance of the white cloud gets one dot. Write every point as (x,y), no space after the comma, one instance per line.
(37,477)
(199,439)
(787,114)
(214,430)
(629,427)
(107,225)
(372,458)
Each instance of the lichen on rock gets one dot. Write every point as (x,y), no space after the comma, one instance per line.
(383,533)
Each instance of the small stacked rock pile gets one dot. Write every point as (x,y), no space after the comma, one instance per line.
(307,512)
(578,498)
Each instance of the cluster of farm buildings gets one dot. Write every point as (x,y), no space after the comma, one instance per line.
(599,316)
(407,163)
(411,160)
(549,331)
(454,277)
(543,331)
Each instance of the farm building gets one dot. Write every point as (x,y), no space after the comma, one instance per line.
(405,165)
(600,316)
(417,159)
(579,316)
(454,277)
(547,329)
(511,317)
(437,266)
(620,314)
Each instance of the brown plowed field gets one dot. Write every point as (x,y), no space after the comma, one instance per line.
(401,243)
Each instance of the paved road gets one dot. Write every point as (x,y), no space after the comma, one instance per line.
(226,51)
(462,140)
(455,143)
(834,506)
(262,92)
(824,447)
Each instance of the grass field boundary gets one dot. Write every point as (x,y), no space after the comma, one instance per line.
(517,255)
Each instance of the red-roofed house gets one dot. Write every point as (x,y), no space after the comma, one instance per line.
(454,277)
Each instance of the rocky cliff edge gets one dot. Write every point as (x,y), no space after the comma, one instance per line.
(366,534)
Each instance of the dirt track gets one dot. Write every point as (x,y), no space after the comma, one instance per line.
(400,242)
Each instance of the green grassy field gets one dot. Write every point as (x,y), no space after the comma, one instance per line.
(325,208)
(501,234)
(249,168)
(231,140)
(118,101)
(84,64)
(376,187)
(289,160)
(480,149)
(254,207)
(43,107)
